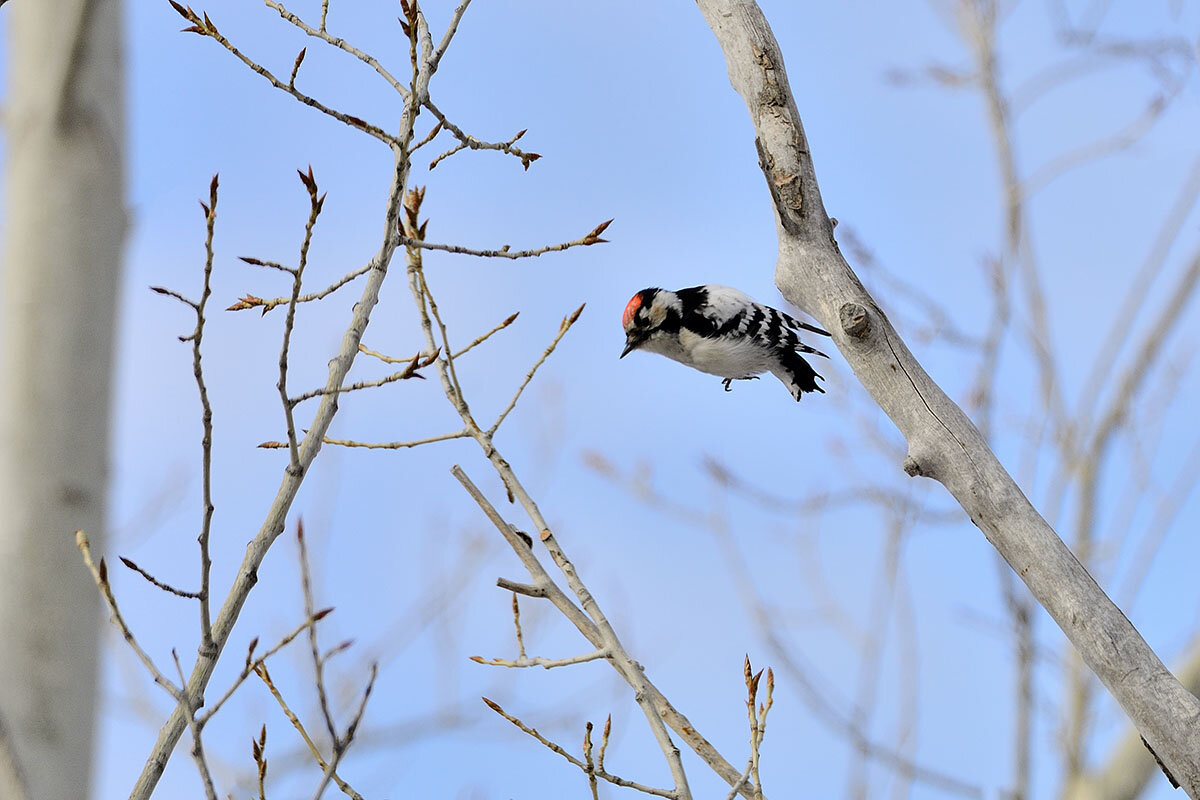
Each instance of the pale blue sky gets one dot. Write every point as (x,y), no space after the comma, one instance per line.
(630,106)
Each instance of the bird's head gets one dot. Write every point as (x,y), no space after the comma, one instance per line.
(644,316)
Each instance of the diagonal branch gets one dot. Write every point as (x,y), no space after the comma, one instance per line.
(340,44)
(942,443)
(202,25)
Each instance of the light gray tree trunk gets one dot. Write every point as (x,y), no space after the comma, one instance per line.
(62,242)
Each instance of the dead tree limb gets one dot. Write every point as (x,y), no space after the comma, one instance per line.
(943,444)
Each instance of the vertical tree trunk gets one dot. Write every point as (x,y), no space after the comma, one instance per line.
(61,253)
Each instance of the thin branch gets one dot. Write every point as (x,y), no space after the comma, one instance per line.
(1128,314)
(567,322)
(166,587)
(472,143)
(362,348)
(318,662)
(442,437)
(250,301)
(259,262)
(589,764)
(273,523)
(521,588)
(100,575)
(436,57)
(599,772)
(172,293)
(1109,145)
(538,661)
(252,663)
(341,44)
(197,742)
(942,442)
(820,702)
(205,27)
(1145,356)
(481,339)
(315,204)
(265,677)
(1160,524)
(427,138)
(584,241)
(402,375)
(516,609)
(343,744)
(206,416)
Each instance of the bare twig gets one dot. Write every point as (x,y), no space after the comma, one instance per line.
(258,749)
(589,764)
(197,742)
(592,237)
(343,744)
(203,26)
(521,588)
(273,524)
(388,445)
(435,57)
(942,443)
(252,663)
(565,326)
(472,143)
(315,203)
(538,661)
(481,339)
(206,415)
(516,607)
(597,771)
(362,348)
(250,301)
(328,772)
(402,375)
(1115,143)
(100,575)
(318,662)
(596,629)
(341,44)
(1134,297)
(166,587)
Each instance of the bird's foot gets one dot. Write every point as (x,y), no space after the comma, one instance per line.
(727,381)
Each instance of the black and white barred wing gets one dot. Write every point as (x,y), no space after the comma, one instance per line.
(714,311)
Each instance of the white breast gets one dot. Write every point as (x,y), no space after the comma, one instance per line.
(727,357)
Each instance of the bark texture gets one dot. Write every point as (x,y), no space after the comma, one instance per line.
(943,444)
(61,255)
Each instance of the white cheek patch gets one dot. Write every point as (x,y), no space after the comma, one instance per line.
(657,314)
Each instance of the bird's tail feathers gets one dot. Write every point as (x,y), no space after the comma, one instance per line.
(798,325)
(797,374)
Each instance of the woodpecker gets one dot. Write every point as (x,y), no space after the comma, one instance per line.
(721,331)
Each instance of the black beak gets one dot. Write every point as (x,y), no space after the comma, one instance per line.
(631,343)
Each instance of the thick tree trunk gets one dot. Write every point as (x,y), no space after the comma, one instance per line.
(61,255)
(943,444)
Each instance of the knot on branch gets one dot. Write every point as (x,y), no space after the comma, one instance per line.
(855,322)
(912,467)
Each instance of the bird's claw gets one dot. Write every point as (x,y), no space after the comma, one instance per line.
(727,381)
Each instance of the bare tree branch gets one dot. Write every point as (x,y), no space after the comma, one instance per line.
(202,25)
(942,442)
